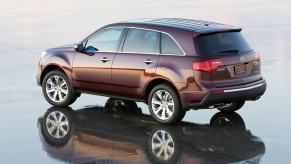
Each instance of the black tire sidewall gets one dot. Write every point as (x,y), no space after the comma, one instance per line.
(71,97)
(178,111)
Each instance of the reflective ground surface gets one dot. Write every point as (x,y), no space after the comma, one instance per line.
(260,133)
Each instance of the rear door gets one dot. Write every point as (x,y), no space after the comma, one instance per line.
(137,61)
(239,63)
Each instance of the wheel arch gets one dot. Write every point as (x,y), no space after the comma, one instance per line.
(50,68)
(154,82)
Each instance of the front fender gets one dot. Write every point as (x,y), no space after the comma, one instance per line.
(61,60)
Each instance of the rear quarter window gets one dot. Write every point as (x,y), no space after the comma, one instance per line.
(221,44)
(169,46)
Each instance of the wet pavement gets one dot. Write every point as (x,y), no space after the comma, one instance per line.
(260,132)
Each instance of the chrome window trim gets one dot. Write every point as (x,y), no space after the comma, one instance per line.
(243,89)
(142,28)
(102,29)
(137,52)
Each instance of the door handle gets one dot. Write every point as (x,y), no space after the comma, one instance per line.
(105,59)
(149,61)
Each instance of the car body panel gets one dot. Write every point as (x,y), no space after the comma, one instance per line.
(130,72)
(61,57)
(126,75)
(89,72)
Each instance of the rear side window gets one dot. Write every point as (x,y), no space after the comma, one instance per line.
(221,44)
(169,46)
(141,41)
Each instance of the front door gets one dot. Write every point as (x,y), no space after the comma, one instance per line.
(92,67)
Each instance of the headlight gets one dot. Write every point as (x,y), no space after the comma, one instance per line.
(43,54)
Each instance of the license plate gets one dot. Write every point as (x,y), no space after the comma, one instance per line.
(240,69)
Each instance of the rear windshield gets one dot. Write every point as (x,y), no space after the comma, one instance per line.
(221,44)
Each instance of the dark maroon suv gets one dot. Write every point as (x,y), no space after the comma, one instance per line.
(171,64)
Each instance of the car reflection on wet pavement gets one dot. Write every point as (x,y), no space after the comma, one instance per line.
(120,133)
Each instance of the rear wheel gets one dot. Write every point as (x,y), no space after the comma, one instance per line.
(58,90)
(164,104)
(231,107)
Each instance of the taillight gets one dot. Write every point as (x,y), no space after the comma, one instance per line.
(257,56)
(208,65)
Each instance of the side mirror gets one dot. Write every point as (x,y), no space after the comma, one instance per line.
(91,49)
(79,47)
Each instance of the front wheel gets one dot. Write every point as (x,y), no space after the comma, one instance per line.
(231,107)
(58,90)
(164,105)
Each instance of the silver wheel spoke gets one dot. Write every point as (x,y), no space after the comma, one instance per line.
(64,123)
(55,95)
(60,96)
(50,90)
(63,83)
(168,111)
(158,110)
(156,102)
(51,129)
(163,115)
(64,91)
(50,82)
(171,103)
(159,95)
(56,77)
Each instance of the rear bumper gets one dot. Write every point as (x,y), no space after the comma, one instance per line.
(224,95)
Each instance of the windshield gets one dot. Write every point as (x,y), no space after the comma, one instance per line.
(221,44)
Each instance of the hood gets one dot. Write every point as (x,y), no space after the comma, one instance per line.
(70,47)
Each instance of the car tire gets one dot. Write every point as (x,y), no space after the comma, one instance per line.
(164,105)
(58,90)
(231,107)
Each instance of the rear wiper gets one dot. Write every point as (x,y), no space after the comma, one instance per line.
(229,51)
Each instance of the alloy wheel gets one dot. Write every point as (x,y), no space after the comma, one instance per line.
(163,104)
(57,88)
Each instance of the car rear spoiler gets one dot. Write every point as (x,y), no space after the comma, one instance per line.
(217,31)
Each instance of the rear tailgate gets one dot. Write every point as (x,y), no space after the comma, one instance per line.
(237,70)
(232,60)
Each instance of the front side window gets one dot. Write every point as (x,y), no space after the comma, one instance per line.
(104,40)
(169,46)
(141,41)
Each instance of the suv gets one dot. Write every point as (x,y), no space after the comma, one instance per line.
(171,64)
